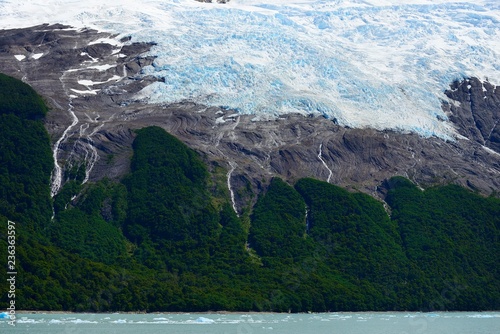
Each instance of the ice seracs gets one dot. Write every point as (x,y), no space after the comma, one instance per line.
(379,64)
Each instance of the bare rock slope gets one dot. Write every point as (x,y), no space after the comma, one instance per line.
(90,83)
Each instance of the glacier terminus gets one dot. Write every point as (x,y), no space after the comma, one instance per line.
(378,64)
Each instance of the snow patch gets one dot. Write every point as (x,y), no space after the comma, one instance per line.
(489,150)
(110,41)
(102,67)
(455,103)
(91,83)
(88,82)
(92,59)
(83,92)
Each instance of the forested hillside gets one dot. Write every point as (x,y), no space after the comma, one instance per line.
(166,238)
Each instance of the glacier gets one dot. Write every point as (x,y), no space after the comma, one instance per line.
(361,63)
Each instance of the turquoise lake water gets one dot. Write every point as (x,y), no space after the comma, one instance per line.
(254,323)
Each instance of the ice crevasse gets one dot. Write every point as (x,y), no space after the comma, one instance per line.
(380,64)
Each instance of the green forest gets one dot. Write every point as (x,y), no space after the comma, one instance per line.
(166,238)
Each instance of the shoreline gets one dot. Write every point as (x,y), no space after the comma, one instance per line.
(249,312)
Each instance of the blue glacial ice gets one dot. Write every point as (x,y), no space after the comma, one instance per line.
(376,66)
(363,63)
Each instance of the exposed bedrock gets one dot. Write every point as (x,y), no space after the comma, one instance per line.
(475,108)
(83,73)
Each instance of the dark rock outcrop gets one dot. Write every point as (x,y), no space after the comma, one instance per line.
(475,109)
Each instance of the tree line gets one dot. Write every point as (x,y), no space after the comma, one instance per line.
(165,237)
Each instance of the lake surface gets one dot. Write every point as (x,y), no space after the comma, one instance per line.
(254,323)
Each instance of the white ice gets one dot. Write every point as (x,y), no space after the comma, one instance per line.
(362,63)
(107,41)
(203,320)
(37,55)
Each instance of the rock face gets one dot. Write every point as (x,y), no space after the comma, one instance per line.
(475,109)
(90,80)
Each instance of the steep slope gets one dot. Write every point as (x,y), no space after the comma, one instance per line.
(429,222)
(194,203)
(25,160)
(91,126)
(172,242)
(474,109)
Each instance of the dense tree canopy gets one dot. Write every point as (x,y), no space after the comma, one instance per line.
(166,237)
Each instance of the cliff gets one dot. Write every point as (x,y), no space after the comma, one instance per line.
(92,84)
